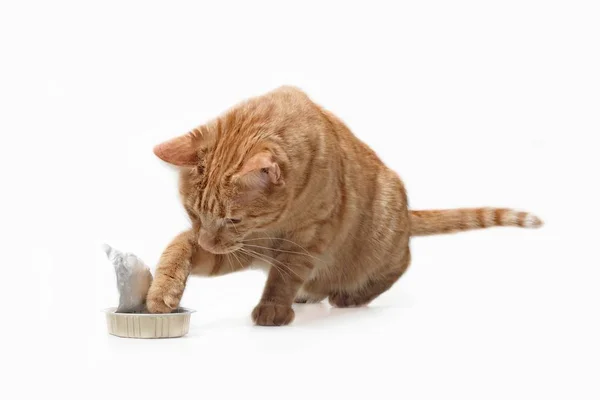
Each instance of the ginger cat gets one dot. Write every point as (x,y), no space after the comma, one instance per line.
(277,179)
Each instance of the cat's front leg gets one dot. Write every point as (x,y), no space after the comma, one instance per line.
(287,274)
(171,274)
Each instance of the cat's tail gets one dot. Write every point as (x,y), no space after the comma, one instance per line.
(434,222)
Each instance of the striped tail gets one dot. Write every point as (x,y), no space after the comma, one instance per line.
(433,222)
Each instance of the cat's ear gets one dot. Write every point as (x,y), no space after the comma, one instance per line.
(259,171)
(182,151)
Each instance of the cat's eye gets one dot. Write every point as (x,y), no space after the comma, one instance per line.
(233,221)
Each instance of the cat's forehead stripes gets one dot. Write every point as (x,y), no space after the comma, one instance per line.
(214,204)
(224,159)
(225,146)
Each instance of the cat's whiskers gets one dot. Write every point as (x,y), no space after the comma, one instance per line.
(229,262)
(238,260)
(284,251)
(271,260)
(272,238)
(256,255)
(287,267)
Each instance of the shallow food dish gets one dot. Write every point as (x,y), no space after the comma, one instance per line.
(148,326)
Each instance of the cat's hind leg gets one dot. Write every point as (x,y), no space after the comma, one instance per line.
(310,293)
(309,298)
(375,286)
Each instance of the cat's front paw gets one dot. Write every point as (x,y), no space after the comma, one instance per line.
(161,300)
(268,314)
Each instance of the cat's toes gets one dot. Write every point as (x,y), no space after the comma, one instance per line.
(157,305)
(267,314)
(343,300)
(159,302)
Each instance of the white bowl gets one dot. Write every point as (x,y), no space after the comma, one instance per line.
(148,326)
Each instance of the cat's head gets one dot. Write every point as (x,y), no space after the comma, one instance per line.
(231,185)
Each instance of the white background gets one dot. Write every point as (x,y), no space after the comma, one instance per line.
(472,102)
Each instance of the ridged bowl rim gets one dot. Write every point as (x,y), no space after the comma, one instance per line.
(180,311)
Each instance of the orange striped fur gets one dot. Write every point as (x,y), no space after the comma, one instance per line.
(433,222)
(279,181)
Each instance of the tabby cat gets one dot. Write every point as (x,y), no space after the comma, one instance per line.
(280,181)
